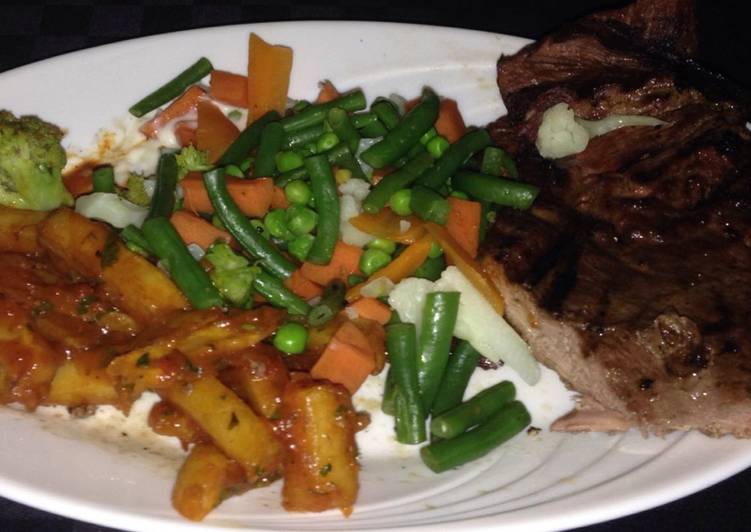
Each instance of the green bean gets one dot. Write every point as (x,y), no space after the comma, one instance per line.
(323,186)
(486,211)
(301,137)
(437,329)
(410,414)
(103,179)
(172,89)
(274,291)
(342,156)
(188,275)
(287,177)
(497,162)
(429,205)
(373,130)
(342,126)
(247,141)
(240,227)
(332,301)
(509,421)
(361,120)
(461,365)
(454,157)
(133,235)
(406,134)
(472,412)
(389,394)
(316,114)
(271,144)
(395,181)
(163,200)
(431,269)
(497,190)
(386,112)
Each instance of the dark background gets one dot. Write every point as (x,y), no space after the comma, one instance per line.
(36,30)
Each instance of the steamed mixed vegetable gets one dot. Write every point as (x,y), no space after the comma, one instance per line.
(325,238)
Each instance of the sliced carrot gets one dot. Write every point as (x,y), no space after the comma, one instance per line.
(279,199)
(386,224)
(184,104)
(409,104)
(401,267)
(456,255)
(370,308)
(229,88)
(269,68)
(253,196)
(450,123)
(185,132)
(302,286)
(464,224)
(215,132)
(347,360)
(195,230)
(380,173)
(344,262)
(327,93)
(79,181)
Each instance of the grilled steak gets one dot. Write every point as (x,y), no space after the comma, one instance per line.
(631,276)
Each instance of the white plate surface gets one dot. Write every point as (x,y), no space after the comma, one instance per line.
(99,471)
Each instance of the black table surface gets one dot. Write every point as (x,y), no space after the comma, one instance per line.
(30,31)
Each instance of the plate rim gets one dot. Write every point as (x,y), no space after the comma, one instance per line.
(61,504)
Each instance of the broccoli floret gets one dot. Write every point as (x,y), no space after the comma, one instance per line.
(31,162)
(191,159)
(135,191)
(232,274)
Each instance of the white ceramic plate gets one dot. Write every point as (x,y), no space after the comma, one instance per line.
(113,472)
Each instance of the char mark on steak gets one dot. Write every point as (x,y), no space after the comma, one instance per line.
(634,265)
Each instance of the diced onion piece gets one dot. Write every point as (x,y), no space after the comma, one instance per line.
(111,208)
(378,287)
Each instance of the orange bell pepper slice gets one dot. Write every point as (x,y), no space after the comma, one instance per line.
(215,132)
(459,257)
(269,69)
(400,268)
(386,224)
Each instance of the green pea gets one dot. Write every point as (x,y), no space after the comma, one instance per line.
(400,201)
(429,134)
(435,250)
(233,170)
(436,146)
(288,160)
(235,114)
(459,194)
(326,141)
(387,246)
(276,224)
(297,192)
(301,220)
(291,338)
(373,260)
(300,246)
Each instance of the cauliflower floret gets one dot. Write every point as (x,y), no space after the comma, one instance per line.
(560,134)
(31,163)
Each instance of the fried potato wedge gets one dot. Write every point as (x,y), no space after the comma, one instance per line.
(320,466)
(232,426)
(19,229)
(205,479)
(259,376)
(92,250)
